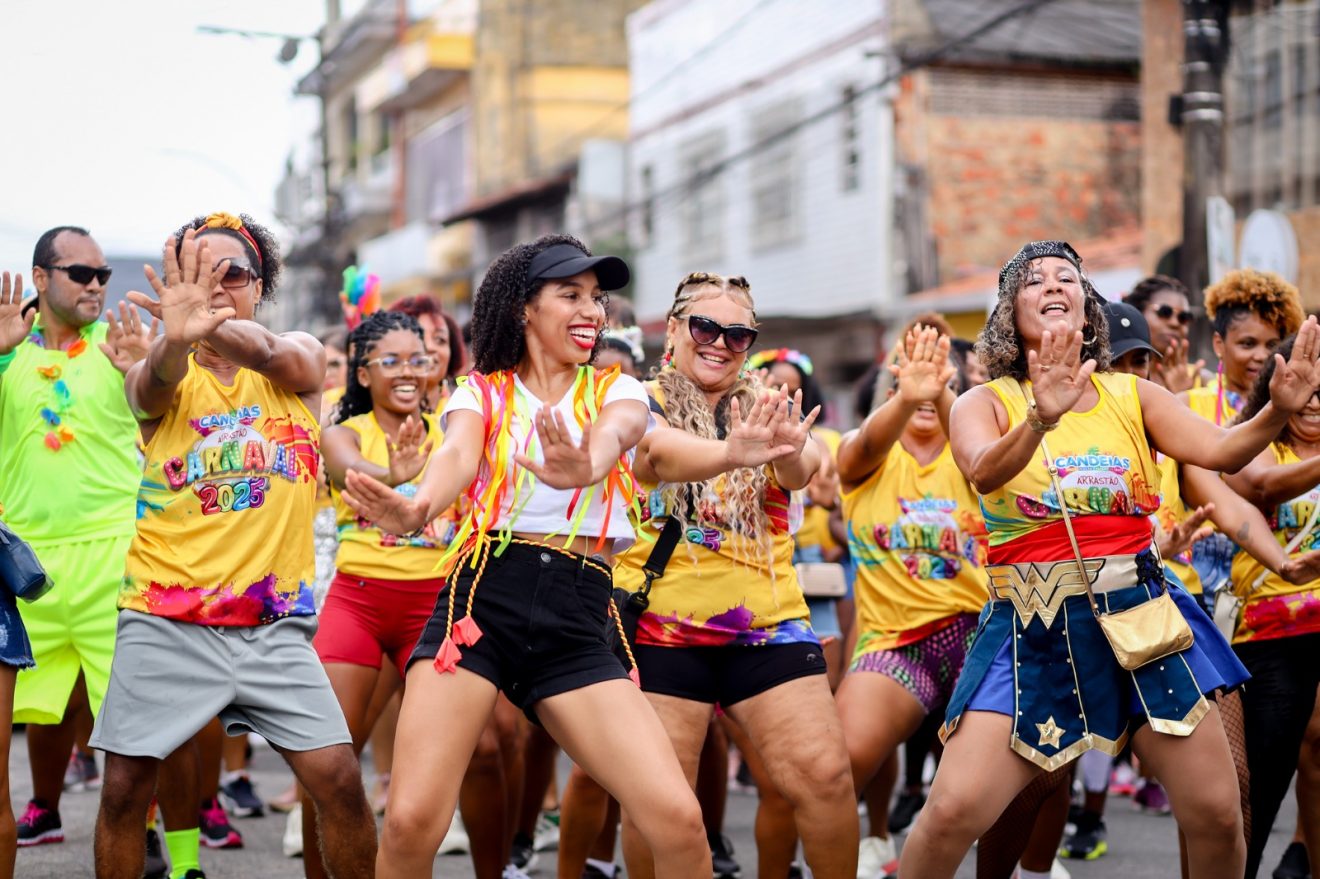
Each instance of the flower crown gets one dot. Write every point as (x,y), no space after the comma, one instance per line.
(781,355)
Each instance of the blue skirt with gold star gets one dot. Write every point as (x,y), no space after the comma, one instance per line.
(1062,685)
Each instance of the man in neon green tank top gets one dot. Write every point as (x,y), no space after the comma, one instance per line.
(216,611)
(68,474)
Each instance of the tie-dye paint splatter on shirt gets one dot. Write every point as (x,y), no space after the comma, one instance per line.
(224,512)
(718,589)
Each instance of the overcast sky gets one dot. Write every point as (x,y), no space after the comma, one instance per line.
(122,117)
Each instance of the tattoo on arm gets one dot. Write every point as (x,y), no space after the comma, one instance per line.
(1241,536)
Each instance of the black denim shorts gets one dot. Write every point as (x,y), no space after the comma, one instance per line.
(544,615)
(725,675)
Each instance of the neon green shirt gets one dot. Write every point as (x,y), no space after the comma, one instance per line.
(69,468)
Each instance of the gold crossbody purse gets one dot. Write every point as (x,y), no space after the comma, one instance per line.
(1139,635)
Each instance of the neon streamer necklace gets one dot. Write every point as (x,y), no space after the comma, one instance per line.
(53,415)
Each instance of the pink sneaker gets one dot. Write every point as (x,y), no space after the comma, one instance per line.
(39,825)
(216,831)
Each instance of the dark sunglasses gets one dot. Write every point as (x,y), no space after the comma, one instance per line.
(1166,311)
(737,337)
(237,276)
(80,274)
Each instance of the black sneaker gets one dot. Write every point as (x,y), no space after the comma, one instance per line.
(905,809)
(155,866)
(721,856)
(1088,842)
(240,799)
(39,825)
(591,871)
(522,854)
(194,874)
(1294,864)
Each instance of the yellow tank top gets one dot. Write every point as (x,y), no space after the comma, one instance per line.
(367,551)
(719,588)
(917,538)
(1206,402)
(1277,608)
(1105,469)
(1172,511)
(224,527)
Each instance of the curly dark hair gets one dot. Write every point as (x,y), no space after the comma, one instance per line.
(1247,291)
(427,304)
(266,258)
(1146,288)
(498,322)
(999,346)
(361,342)
(1259,394)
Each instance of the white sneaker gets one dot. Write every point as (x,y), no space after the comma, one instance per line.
(875,857)
(512,872)
(1058,871)
(546,834)
(293,842)
(456,840)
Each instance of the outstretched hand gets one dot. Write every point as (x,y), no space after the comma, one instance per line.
(567,464)
(14,326)
(409,451)
(751,440)
(922,366)
(128,340)
(1297,378)
(1302,569)
(789,429)
(1058,374)
(183,300)
(1174,372)
(1185,533)
(376,502)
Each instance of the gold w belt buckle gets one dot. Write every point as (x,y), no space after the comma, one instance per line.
(1040,588)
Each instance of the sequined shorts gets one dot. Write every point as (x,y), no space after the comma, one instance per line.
(928,669)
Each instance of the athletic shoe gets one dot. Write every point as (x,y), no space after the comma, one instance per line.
(216,831)
(1059,871)
(285,801)
(512,872)
(1294,864)
(81,775)
(155,866)
(522,854)
(240,798)
(1152,799)
(39,825)
(546,834)
(875,857)
(194,874)
(456,840)
(721,856)
(905,810)
(591,871)
(1122,781)
(799,870)
(1088,842)
(292,841)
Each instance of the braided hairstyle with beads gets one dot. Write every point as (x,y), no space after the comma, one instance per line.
(361,342)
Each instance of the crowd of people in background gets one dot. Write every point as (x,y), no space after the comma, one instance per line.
(473,548)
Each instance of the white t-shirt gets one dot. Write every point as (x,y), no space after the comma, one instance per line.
(546,510)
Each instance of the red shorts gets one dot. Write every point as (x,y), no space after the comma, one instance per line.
(364,618)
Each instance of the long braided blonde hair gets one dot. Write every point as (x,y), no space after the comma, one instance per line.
(686,408)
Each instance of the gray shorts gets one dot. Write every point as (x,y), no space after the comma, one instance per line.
(168,679)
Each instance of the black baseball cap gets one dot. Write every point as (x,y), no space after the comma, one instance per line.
(565,261)
(1128,330)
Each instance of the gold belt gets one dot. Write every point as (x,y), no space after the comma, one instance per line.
(1040,588)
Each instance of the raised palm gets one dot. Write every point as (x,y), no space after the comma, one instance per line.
(922,368)
(14,327)
(1058,375)
(409,451)
(751,440)
(1295,380)
(566,464)
(790,430)
(183,300)
(127,340)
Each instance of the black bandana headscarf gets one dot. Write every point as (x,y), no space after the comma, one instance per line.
(1011,273)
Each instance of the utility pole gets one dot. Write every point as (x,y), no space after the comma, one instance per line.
(1201,114)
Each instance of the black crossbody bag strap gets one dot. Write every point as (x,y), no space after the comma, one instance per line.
(654,568)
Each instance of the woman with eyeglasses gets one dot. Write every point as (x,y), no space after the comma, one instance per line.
(1061,453)
(538,443)
(727,624)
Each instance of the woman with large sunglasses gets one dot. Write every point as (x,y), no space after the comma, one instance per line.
(537,441)
(1041,683)
(1163,302)
(727,624)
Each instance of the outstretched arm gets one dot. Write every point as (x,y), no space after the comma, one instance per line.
(293,361)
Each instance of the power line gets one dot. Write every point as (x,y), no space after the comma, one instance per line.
(923,59)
